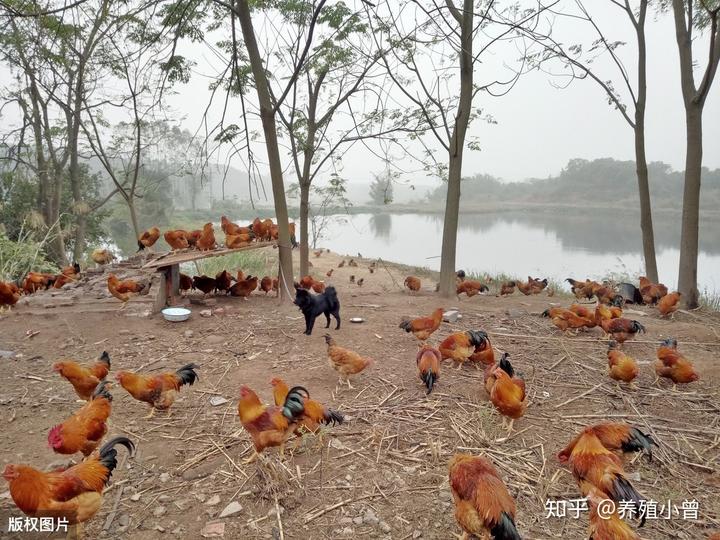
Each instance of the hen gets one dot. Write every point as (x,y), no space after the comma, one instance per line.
(266,285)
(461,346)
(176,239)
(470,287)
(223,281)
(508,396)
(102,256)
(507,288)
(345,361)
(74,493)
(621,366)
(83,431)
(206,242)
(244,287)
(412,283)
(428,363)
(669,304)
(423,327)
(673,365)
(204,283)
(160,390)
(651,292)
(9,293)
(84,379)
(233,241)
(483,505)
(122,289)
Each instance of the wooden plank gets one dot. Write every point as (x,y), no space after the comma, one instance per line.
(161,298)
(174,282)
(178,257)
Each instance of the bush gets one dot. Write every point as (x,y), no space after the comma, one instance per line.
(17,258)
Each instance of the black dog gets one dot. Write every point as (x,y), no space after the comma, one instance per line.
(313,305)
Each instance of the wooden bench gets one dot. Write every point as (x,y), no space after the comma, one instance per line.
(168,265)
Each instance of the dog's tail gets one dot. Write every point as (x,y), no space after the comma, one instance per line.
(331,295)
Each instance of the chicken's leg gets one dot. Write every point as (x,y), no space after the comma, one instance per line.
(252,458)
(348,383)
(152,413)
(74,532)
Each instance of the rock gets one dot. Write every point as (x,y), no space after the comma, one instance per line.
(201,471)
(160,528)
(370,517)
(212,501)
(122,523)
(188,333)
(206,313)
(347,531)
(219,311)
(515,313)
(135,497)
(178,530)
(7,354)
(272,511)
(124,332)
(213,529)
(384,527)
(231,509)
(345,521)
(159,511)
(417,534)
(164,498)
(358,520)
(216,401)
(451,316)
(214,339)
(164,477)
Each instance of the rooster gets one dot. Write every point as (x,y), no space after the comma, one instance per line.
(483,505)
(673,365)
(83,431)
(428,362)
(461,346)
(508,395)
(614,436)
(157,390)
(84,379)
(423,327)
(606,525)
(148,238)
(74,493)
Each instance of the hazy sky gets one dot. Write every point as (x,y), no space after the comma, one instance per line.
(540,127)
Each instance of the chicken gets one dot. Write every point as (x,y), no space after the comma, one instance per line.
(223,281)
(158,390)
(233,241)
(102,256)
(319,286)
(606,525)
(275,285)
(352,263)
(507,288)
(123,289)
(360,282)
(83,431)
(423,327)
(261,229)
(306,282)
(84,379)
(460,346)
(266,285)
(244,287)
(193,237)
(148,238)
(35,281)
(74,493)
(614,436)
(204,283)
(669,304)
(9,293)
(314,415)
(591,462)
(66,275)
(483,505)
(565,319)
(428,363)
(206,242)
(525,287)
(673,365)
(270,426)
(605,295)
(230,228)
(606,313)
(537,285)
(352,279)
(470,287)
(621,366)
(345,361)
(508,396)
(651,292)
(177,239)
(489,374)
(342,263)
(622,329)
(582,289)
(317,253)
(329,272)
(186,282)
(582,311)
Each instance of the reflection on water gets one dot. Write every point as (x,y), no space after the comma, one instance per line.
(555,244)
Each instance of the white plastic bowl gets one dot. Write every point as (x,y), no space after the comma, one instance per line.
(176,314)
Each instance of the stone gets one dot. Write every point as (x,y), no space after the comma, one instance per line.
(188,333)
(451,316)
(216,401)
(515,313)
(159,511)
(213,529)
(201,471)
(164,477)
(7,354)
(347,531)
(214,339)
(358,520)
(417,534)
(212,501)
(384,527)
(206,313)
(135,497)
(164,498)
(346,521)
(231,509)
(219,311)
(370,517)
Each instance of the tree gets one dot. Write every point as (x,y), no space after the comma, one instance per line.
(433,65)
(583,64)
(381,189)
(689,15)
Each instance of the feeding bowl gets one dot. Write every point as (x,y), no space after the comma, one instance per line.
(176,314)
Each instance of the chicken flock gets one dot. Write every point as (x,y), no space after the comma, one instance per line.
(484,507)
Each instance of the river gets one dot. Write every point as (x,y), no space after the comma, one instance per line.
(554,244)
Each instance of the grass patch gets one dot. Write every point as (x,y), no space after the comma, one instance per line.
(710,300)
(258,262)
(17,258)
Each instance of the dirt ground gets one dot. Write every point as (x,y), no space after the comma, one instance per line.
(382,474)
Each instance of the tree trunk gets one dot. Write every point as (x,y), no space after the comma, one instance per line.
(455,153)
(304,228)
(133,217)
(267,115)
(687,276)
(646,223)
